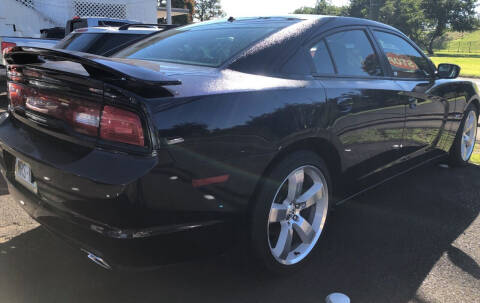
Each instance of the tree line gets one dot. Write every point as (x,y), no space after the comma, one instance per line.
(423,21)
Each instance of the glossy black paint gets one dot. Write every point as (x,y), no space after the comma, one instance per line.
(237,120)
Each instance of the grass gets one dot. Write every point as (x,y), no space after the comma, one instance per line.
(470,67)
(463,43)
(475,158)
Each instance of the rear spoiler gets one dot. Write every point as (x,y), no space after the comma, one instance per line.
(98,67)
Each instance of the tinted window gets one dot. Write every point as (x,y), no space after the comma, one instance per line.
(405,60)
(76,24)
(95,43)
(197,45)
(321,58)
(353,54)
(111,23)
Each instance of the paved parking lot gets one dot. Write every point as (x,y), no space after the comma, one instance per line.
(414,239)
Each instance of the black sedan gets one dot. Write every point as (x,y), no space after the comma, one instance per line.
(236,131)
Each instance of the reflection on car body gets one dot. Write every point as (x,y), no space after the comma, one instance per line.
(190,137)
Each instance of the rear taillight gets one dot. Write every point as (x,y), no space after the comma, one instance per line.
(121,126)
(116,124)
(6,46)
(82,116)
(17,93)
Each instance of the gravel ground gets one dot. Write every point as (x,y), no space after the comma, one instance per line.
(413,239)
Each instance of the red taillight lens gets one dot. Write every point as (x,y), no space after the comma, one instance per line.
(116,124)
(16,94)
(121,126)
(6,46)
(83,116)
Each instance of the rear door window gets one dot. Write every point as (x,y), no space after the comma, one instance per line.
(321,58)
(353,54)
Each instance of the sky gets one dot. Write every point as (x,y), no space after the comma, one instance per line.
(267,7)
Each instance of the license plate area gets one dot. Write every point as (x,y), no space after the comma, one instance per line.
(23,175)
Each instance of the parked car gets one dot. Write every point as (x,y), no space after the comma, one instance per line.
(95,40)
(107,40)
(71,25)
(190,138)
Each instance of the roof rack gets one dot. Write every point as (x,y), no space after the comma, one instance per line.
(159,26)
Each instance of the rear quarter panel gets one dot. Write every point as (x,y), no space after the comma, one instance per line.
(236,134)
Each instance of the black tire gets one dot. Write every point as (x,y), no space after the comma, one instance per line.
(259,240)
(455,156)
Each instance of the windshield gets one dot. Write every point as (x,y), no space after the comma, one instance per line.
(207,46)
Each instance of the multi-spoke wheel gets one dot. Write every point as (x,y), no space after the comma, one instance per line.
(291,211)
(468,135)
(464,143)
(297,214)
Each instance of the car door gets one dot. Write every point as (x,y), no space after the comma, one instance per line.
(428,101)
(367,114)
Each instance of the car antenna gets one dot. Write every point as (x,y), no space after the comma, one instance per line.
(231,19)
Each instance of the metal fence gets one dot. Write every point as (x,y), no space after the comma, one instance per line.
(467,47)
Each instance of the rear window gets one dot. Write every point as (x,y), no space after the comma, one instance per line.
(95,43)
(76,24)
(201,45)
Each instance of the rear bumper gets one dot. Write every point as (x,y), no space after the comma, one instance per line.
(131,248)
(107,219)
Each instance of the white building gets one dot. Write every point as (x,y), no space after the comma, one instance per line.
(25,18)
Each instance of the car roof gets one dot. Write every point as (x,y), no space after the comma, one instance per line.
(116,30)
(294,18)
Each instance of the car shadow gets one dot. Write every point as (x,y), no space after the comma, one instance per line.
(379,248)
(3,187)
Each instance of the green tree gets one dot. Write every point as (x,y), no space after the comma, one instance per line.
(406,15)
(208,9)
(323,7)
(365,8)
(441,15)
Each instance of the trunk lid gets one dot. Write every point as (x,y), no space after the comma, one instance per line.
(85,99)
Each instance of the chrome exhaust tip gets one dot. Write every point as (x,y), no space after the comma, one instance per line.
(337,298)
(99,261)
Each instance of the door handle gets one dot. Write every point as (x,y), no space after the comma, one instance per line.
(345,104)
(412,102)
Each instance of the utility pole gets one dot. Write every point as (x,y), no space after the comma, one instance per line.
(169,11)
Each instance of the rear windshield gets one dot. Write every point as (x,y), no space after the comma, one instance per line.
(95,43)
(201,45)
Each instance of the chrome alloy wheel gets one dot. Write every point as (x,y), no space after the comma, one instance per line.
(469,135)
(297,214)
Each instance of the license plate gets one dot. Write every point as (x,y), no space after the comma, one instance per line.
(23,174)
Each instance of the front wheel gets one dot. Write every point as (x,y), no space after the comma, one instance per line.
(462,148)
(290,212)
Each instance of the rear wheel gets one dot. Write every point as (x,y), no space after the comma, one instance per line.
(464,143)
(291,212)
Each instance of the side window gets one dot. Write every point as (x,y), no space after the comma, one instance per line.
(321,58)
(353,54)
(405,60)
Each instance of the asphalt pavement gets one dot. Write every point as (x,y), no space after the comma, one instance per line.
(413,239)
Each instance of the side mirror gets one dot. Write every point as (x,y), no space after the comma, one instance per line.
(448,71)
